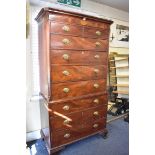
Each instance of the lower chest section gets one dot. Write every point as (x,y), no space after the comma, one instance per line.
(73,120)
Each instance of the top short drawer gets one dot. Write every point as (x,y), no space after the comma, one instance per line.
(77,21)
(65,29)
(82,31)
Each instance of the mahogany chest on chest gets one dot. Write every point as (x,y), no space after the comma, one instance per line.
(73,59)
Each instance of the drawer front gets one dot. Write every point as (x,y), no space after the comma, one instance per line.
(95,113)
(74,89)
(66,136)
(68,42)
(96,33)
(76,73)
(78,57)
(59,121)
(77,21)
(66,29)
(78,105)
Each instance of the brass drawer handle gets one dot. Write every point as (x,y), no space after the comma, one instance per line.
(65,73)
(66,28)
(97,56)
(66,122)
(96,70)
(98,33)
(66,41)
(65,57)
(96,113)
(96,85)
(95,125)
(98,44)
(66,107)
(67,135)
(66,90)
(96,101)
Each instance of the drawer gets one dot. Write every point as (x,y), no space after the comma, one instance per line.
(78,57)
(78,21)
(67,136)
(78,104)
(66,29)
(78,43)
(75,89)
(82,31)
(61,121)
(95,113)
(96,33)
(61,73)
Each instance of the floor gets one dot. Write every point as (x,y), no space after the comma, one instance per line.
(117,143)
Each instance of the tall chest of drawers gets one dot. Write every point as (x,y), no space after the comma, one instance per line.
(73,59)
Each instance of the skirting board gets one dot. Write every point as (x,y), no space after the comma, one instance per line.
(33,135)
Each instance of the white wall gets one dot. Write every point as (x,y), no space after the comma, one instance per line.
(88,7)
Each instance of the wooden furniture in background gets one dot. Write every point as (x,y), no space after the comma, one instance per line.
(73,57)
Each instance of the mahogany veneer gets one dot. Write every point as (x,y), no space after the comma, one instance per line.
(73,55)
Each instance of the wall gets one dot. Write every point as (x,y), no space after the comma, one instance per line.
(88,7)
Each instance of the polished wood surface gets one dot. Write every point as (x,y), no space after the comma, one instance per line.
(78,57)
(78,43)
(77,88)
(76,73)
(77,105)
(82,21)
(60,121)
(73,59)
(59,138)
(81,31)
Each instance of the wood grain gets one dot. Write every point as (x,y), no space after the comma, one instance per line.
(77,88)
(82,31)
(78,43)
(75,73)
(78,57)
(78,105)
(76,133)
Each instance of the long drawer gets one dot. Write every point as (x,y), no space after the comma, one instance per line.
(75,120)
(77,21)
(78,43)
(78,104)
(71,134)
(78,57)
(82,31)
(63,73)
(74,89)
